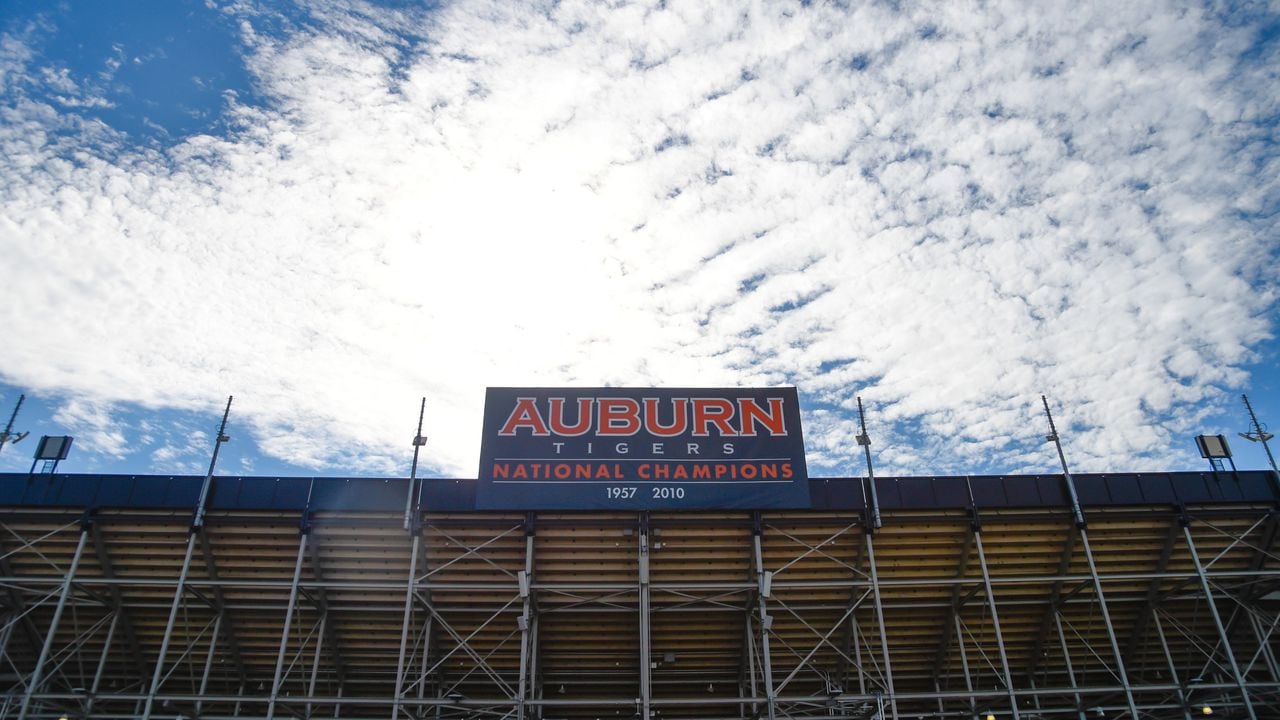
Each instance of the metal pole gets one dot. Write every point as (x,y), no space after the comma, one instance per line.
(884,636)
(315,662)
(1066,474)
(1106,621)
(766,623)
(168,628)
(410,508)
(37,675)
(1217,619)
(277,679)
(1258,434)
(995,622)
(1173,670)
(207,485)
(646,652)
(526,612)
(865,441)
(1264,644)
(208,660)
(964,665)
(749,642)
(102,666)
(8,428)
(857,654)
(404,626)
(1066,656)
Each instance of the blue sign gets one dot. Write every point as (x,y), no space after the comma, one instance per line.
(641,448)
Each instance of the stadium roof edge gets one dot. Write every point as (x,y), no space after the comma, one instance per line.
(322,494)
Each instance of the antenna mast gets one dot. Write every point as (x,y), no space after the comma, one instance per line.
(1258,434)
(865,441)
(8,435)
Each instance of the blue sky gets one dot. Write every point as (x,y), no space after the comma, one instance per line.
(331,209)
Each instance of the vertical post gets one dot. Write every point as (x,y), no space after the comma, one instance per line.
(277,679)
(884,635)
(646,651)
(207,485)
(1256,435)
(1082,525)
(857,653)
(408,617)
(1121,672)
(525,621)
(865,441)
(410,507)
(315,662)
(8,428)
(102,665)
(33,685)
(1217,619)
(1173,670)
(766,622)
(995,620)
(964,666)
(749,644)
(1066,657)
(178,592)
(208,660)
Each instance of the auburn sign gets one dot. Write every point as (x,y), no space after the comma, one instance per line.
(565,448)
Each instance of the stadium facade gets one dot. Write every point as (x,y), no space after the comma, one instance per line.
(931,597)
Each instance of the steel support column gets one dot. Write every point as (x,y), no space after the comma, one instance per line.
(178,592)
(766,622)
(1173,670)
(1121,673)
(33,684)
(410,586)
(102,666)
(1071,671)
(525,622)
(278,678)
(646,652)
(995,622)
(1217,619)
(884,635)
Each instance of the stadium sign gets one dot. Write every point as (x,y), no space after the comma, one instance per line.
(633,448)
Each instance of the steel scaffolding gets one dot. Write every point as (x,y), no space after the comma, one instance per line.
(125,602)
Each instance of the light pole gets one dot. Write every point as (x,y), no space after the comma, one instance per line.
(8,435)
(1258,433)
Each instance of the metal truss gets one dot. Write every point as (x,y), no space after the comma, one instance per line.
(1146,613)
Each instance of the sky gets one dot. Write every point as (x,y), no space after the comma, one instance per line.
(333,209)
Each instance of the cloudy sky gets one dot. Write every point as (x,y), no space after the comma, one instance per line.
(332,209)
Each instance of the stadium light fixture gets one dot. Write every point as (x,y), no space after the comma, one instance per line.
(1258,433)
(1206,710)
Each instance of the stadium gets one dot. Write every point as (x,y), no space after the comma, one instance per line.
(1143,595)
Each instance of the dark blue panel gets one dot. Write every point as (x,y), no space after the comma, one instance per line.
(1053,490)
(149,491)
(951,492)
(988,491)
(1157,488)
(257,493)
(889,493)
(291,493)
(224,494)
(1193,488)
(917,492)
(1092,489)
(449,495)
(78,491)
(184,492)
(1125,490)
(1022,491)
(1259,486)
(359,494)
(837,493)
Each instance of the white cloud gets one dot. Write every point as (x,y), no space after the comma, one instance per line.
(947,212)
